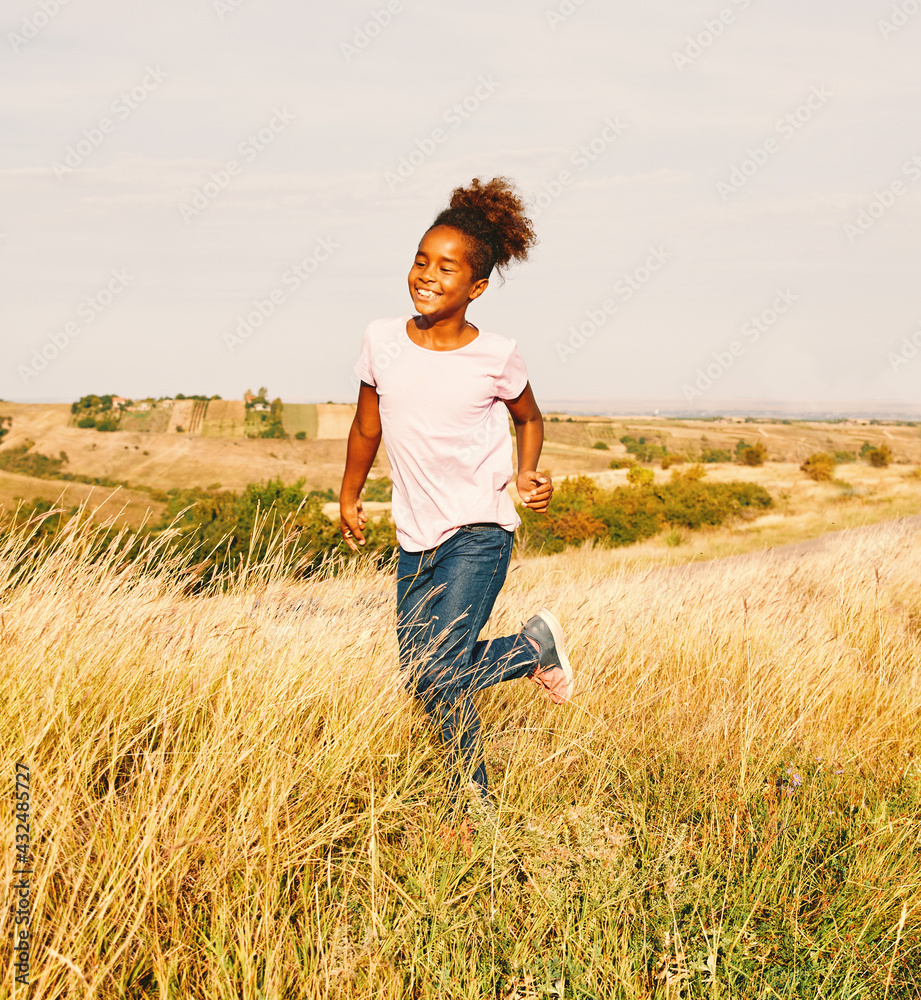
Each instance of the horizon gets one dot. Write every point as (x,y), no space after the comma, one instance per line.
(763,409)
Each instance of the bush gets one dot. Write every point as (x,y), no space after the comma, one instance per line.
(669,460)
(581,511)
(86,422)
(751,454)
(641,450)
(621,463)
(378,490)
(843,457)
(108,424)
(713,455)
(300,436)
(638,476)
(820,466)
(880,457)
(27,463)
(600,446)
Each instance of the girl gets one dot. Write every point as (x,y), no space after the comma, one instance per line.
(431,384)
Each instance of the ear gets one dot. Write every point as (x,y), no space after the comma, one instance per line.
(477,289)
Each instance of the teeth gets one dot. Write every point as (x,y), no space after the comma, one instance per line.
(423,293)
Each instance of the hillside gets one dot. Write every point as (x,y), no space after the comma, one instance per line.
(169,459)
(166,460)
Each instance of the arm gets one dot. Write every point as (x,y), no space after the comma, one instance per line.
(535,490)
(364,440)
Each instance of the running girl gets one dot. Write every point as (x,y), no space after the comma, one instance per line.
(431,385)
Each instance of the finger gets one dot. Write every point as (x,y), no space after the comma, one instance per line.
(351,533)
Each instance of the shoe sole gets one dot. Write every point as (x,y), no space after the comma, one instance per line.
(559,640)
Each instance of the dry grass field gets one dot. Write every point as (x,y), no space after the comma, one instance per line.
(232,797)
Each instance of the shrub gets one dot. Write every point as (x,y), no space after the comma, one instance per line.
(669,460)
(819,466)
(108,424)
(379,490)
(621,463)
(712,455)
(27,463)
(86,422)
(880,457)
(641,450)
(843,457)
(751,454)
(638,476)
(300,436)
(600,446)
(274,430)
(581,511)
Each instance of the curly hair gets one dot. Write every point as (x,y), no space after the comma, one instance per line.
(492,219)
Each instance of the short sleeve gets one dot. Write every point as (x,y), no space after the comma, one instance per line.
(363,367)
(514,375)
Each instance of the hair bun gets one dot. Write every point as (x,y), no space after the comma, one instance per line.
(492,217)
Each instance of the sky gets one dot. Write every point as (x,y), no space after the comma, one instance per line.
(205,196)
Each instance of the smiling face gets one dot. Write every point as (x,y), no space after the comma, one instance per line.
(441,280)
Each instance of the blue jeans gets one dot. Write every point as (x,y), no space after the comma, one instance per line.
(444,598)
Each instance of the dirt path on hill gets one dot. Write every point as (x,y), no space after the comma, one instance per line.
(827,542)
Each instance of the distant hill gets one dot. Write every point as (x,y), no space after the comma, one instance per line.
(221,418)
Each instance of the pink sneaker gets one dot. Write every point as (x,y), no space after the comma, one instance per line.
(553,671)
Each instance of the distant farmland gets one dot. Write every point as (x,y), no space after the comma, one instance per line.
(227,418)
(300,417)
(224,418)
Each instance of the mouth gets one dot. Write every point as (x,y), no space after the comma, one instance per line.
(425,295)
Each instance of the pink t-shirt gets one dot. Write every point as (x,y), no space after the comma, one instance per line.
(445,429)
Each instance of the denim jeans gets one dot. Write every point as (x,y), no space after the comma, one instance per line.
(444,598)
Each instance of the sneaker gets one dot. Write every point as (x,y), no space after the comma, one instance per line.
(553,671)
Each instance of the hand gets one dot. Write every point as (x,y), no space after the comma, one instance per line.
(352,520)
(535,491)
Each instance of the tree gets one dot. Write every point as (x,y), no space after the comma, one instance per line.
(5,424)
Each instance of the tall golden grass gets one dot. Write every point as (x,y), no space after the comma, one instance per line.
(233,796)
